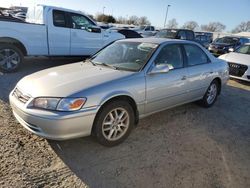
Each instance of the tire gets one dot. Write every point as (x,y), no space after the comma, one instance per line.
(211,94)
(112,131)
(11,58)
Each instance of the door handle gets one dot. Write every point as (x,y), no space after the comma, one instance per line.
(184,78)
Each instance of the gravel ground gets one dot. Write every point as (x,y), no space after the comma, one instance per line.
(187,146)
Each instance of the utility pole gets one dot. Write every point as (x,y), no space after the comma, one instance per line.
(103,8)
(166,17)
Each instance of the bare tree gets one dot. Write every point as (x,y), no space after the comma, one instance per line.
(121,20)
(172,24)
(143,21)
(192,25)
(242,27)
(133,20)
(213,27)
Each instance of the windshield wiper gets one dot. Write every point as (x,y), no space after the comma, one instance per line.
(106,65)
(89,61)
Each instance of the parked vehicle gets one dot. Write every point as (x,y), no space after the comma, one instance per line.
(126,32)
(221,45)
(208,34)
(50,31)
(145,31)
(239,62)
(108,94)
(203,40)
(183,34)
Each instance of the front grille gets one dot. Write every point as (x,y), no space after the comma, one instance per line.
(236,69)
(20,96)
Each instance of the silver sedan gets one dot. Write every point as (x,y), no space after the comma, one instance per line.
(107,95)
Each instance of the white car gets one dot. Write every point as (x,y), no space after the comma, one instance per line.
(239,62)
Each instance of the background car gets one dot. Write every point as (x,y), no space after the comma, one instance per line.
(208,34)
(221,45)
(108,94)
(183,34)
(145,31)
(204,40)
(239,62)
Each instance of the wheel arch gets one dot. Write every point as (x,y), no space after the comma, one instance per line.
(219,82)
(14,42)
(119,97)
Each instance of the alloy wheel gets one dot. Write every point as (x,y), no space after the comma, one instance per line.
(115,124)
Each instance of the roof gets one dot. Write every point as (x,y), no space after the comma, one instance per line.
(156,40)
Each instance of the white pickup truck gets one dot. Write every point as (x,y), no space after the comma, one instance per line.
(50,31)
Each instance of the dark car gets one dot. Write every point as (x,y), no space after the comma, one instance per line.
(183,34)
(222,45)
(208,34)
(204,40)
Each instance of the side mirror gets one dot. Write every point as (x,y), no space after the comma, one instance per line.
(94,29)
(160,68)
(230,49)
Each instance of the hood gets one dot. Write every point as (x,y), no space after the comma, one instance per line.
(221,44)
(67,80)
(236,58)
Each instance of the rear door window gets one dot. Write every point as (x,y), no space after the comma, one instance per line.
(195,55)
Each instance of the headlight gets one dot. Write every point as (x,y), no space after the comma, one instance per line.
(60,104)
(71,104)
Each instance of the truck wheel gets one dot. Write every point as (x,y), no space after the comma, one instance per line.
(10,57)
(114,123)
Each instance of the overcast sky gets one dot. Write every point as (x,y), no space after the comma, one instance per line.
(228,12)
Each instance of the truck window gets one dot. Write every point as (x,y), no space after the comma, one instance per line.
(181,35)
(189,35)
(147,28)
(59,19)
(80,22)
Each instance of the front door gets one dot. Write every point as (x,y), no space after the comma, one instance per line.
(164,90)
(83,41)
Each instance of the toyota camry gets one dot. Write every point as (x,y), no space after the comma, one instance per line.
(106,95)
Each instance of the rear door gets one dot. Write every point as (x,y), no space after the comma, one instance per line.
(58,33)
(83,41)
(200,71)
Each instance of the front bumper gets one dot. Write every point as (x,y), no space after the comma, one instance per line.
(239,71)
(216,51)
(54,125)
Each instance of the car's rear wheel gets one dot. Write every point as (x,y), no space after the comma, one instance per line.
(114,123)
(10,57)
(211,94)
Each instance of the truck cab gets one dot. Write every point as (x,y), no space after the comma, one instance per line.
(50,31)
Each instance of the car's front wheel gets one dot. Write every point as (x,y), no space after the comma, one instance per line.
(211,94)
(114,123)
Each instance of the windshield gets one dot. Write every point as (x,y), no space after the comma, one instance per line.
(244,49)
(227,40)
(124,55)
(169,33)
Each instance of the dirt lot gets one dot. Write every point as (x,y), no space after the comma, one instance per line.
(187,146)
